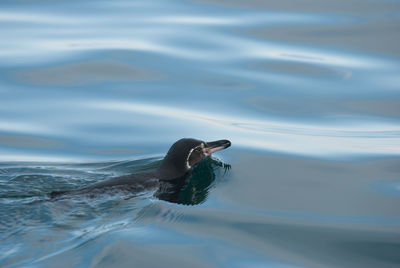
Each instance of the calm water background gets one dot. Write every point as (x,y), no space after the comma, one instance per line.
(307,91)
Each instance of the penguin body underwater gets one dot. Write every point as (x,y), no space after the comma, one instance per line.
(180,159)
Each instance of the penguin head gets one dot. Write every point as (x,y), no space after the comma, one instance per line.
(185,154)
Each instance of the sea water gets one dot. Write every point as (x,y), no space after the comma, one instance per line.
(307,92)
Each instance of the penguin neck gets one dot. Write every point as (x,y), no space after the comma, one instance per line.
(170,170)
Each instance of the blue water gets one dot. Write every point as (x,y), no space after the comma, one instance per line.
(308,92)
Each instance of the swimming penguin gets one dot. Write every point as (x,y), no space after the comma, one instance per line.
(180,159)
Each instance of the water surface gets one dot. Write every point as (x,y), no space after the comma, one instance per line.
(307,91)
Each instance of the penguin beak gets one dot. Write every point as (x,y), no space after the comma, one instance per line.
(214,146)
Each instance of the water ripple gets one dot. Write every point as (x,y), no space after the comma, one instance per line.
(157,35)
(339,139)
(86,82)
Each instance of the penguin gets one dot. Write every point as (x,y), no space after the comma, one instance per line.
(180,159)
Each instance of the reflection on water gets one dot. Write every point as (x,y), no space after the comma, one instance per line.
(193,189)
(74,74)
(308,93)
